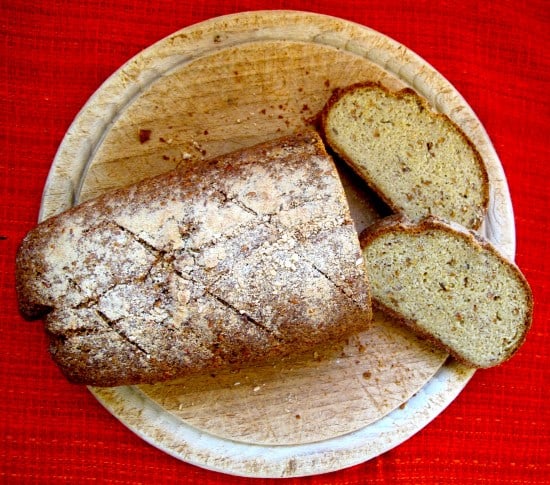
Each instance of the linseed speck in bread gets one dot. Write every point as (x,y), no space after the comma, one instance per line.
(418,161)
(247,257)
(449,285)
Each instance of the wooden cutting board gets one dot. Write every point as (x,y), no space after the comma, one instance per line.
(229,83)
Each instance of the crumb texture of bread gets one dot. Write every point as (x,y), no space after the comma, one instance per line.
(450,286)
(417,160)
(247,257)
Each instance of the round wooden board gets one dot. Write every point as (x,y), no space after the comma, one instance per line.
(228,83)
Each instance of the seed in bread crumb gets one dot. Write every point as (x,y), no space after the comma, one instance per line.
(367,374)
(144,135)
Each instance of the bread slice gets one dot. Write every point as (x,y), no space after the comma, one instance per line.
(418,161)
(450,286)
(247,257)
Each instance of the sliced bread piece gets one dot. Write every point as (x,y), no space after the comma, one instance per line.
(247,257)
(450,286)
(417,160)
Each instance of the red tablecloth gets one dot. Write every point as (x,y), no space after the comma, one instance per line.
(56,53)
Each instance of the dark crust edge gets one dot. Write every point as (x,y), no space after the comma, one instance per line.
(338,93)
(399,223)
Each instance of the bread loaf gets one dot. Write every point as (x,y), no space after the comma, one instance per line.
(247,257)
(449,285)
(418,161)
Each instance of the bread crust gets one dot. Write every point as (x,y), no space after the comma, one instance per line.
(401,94)
(399,223)
(247,257)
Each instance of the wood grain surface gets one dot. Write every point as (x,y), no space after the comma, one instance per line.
(316,396)
(230,83)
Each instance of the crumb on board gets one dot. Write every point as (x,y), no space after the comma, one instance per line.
(144,135)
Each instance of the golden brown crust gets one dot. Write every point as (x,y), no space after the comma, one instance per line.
(400,224)
(247,257)
(401,94)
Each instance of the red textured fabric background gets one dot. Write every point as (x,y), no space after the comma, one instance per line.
(56,53)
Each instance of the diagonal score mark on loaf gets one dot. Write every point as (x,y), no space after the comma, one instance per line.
(113,326)
(299,238)
(244,315)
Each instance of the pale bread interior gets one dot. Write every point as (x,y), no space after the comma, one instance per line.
(417,160)
(453,290)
